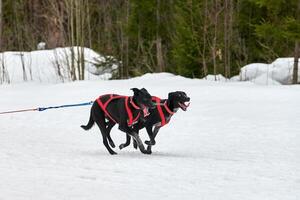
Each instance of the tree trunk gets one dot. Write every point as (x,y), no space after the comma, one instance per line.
(82,38)
(0,25)
(108,29)
(297,51)
(296,60)
(231,13)
(226,17)
(72,40)
(126,64)
(214,46)
(88,21)
(228,21)
(159,53)
(204,34)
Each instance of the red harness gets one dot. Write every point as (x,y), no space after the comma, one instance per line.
(160,111)
(104,100)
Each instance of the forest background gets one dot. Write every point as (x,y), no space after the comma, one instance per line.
(192,38)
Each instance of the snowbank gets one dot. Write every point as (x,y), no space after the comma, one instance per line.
(50,66)
(278,72)
(218,77)
(53,66)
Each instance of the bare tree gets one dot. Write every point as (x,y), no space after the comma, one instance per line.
(228,22)
(159,53)
(296,63)
(297,51)
(0,25)
(204,34)
(215,13)
(126,44)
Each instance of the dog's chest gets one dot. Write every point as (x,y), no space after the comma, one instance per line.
(158,124)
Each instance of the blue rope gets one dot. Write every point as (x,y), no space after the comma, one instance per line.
(46,108)
(65,106)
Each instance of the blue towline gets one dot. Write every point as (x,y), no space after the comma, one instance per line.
(50,107)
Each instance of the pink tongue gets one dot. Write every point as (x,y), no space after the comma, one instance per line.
(145,111)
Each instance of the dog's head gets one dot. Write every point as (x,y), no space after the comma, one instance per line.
(179,99)
(142,98)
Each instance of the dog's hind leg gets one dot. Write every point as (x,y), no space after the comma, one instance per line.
(100,120)
(110,125)
(104,137)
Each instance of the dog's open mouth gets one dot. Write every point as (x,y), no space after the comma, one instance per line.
(184,106)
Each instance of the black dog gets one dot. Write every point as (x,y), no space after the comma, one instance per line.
(159,116)
(110,109)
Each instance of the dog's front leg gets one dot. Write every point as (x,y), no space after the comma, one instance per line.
(136,137)
(123,145)
(123,126)
(152,134)
(134,144)
(156,129)
(139,142)
(136,129)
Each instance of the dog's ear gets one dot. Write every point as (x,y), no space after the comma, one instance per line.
(144,90)
(135,90)
(170,95)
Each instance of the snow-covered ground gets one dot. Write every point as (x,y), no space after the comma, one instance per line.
(236,141)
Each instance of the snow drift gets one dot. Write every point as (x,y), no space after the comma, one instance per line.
(278,72)
(52,66)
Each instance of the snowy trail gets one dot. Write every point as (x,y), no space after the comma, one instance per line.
(236,141)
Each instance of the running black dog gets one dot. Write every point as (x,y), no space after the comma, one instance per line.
(160,116)
(110,109)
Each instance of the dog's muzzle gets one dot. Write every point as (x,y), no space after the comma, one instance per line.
(184,106)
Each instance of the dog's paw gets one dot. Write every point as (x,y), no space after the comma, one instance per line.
(149,150)
(121,146)
(113,153)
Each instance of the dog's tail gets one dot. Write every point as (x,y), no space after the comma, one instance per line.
(90,123)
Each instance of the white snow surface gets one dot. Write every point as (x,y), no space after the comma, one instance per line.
(237,140)
(49,66)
